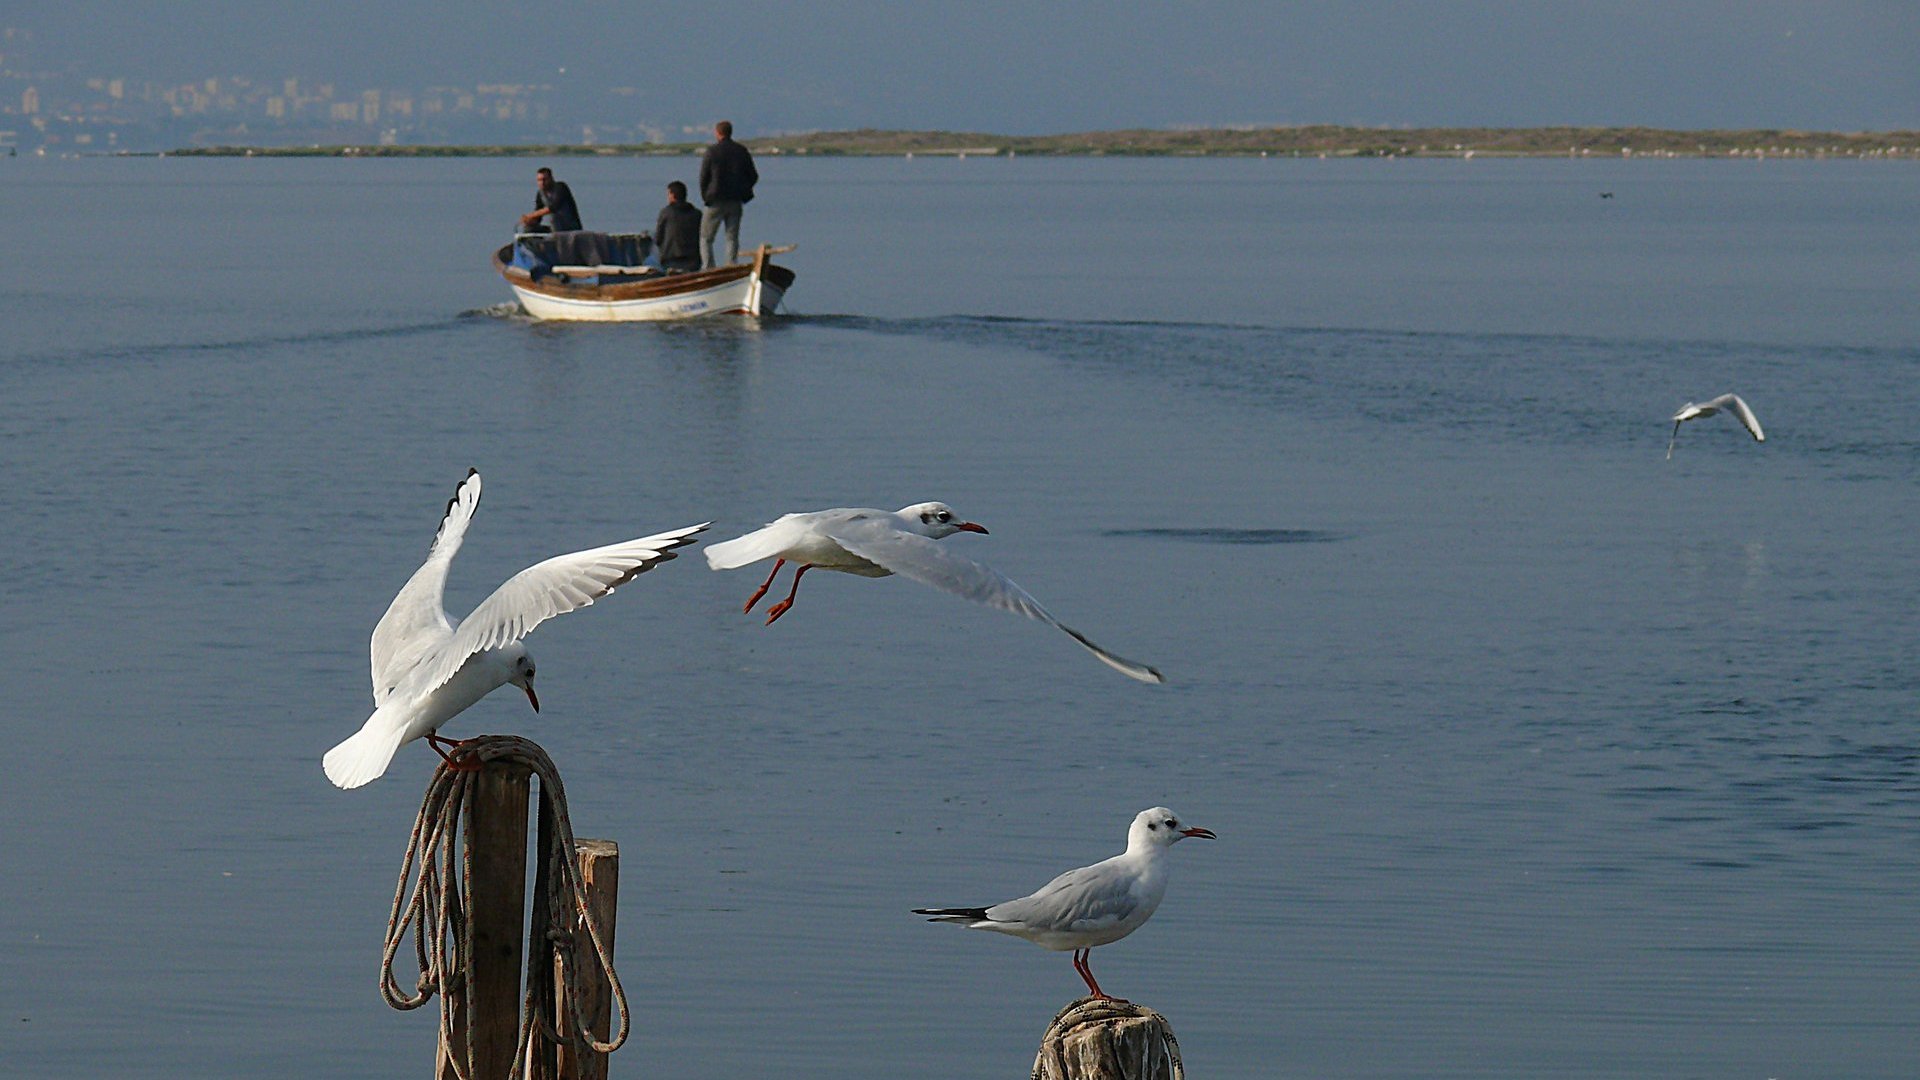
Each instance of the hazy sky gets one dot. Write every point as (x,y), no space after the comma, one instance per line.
(1034,67)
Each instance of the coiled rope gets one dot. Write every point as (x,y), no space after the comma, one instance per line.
(443,927)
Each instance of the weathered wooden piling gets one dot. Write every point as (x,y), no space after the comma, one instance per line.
(1102,1039)
(526,979)
(487,1006)
(599,863)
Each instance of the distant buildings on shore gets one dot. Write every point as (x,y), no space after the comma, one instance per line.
(47,108)
(44,106)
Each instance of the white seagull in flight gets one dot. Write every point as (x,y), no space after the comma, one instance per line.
(1091,906)
(876,543)
(426,669)
(1731,402)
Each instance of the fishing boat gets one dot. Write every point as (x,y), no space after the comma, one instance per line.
(612,277)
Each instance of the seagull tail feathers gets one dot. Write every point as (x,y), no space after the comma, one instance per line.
(362,758)
(742,550)
(963,916)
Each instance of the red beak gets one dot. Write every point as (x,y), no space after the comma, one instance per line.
(968,526)
(1204,834)
(531,699)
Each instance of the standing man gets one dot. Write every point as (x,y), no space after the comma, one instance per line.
(727,177)
(676,233)
(551,198)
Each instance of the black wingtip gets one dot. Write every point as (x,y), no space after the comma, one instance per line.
(952,912)
(453,502)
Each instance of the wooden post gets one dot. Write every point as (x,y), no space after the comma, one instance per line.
(599,862)
(1093,1039)
(489,1005)
(543,952)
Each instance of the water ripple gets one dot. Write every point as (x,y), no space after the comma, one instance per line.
(1222,535)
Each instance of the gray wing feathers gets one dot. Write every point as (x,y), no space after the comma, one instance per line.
(554,587)
(416,621)
(923,560)
(1078,900)
(1745,415)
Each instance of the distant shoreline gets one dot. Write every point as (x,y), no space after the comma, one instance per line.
(1308,141)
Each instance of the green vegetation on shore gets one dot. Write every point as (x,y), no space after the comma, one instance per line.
(1307,141)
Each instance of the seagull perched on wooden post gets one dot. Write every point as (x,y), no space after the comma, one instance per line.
(1092,906)
(426,669)
(1731,402)
(877,543)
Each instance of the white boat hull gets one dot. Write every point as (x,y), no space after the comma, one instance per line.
(731,298)
(582,294)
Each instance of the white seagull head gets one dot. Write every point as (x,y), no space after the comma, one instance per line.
(936,520)
(518,667)
(1160,828)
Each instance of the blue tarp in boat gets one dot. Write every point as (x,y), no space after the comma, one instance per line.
(538,254)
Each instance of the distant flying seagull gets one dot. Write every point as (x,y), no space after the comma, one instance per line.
(876,543)
(1732,402)
(1092,906)
(427,669)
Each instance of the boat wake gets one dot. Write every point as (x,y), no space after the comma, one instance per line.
(1232,536)
(510,310)
(261,342)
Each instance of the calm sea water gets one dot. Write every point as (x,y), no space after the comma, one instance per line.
(1531,752)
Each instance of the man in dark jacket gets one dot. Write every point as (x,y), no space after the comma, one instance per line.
(676,233)
(727,177)
(551,198)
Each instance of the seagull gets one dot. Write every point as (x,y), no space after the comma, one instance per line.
(427,669)
(1094,905)
(1690,411)
(876,543)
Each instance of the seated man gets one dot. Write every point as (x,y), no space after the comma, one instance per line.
(676,234)
(551,198)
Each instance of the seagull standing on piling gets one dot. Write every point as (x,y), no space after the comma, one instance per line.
(427,669)
(1730,402)
(1092,906)
(876,543)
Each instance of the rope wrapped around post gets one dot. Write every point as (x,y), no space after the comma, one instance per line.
(437,912)
(1108,1039)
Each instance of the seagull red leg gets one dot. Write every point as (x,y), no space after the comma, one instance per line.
(780,608)
(434,739)
(764,586)
(1081,958)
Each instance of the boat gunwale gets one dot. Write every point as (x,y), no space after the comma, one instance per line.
(651,288)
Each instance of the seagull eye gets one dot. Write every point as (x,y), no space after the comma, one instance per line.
(1172,824)
(944,516)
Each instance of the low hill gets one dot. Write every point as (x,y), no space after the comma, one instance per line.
(1303,141)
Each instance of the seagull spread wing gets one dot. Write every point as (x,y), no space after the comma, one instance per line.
(416,622)
(913,556)
(561,584)
(1739,409)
